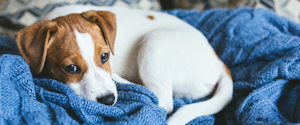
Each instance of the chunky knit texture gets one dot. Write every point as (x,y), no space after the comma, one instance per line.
(262,51)
(260,48)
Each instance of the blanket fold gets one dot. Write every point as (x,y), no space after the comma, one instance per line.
(260,48)
(262,51)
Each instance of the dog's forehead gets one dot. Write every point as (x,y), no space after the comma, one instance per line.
(67,25)
(71,27)
(64,42)
(75,21)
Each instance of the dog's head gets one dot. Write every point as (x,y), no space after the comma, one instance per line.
(74,49)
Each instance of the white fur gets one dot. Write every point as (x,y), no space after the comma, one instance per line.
(96,82)
(169,57)
(120,79)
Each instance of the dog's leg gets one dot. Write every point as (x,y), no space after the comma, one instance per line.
(149,63)
(181,62)
(163,91)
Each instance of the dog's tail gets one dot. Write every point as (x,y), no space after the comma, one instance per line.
(222,96)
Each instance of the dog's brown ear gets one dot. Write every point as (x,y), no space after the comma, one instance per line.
(107,23)
(33,41)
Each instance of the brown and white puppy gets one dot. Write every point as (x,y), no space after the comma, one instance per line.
(154,49)
(51,47)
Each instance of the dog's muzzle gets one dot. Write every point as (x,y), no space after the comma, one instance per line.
(108,99)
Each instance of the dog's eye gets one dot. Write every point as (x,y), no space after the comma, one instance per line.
(72,69)
(104,57)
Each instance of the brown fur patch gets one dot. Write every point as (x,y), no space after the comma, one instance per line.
(107,22)
(227,71)
(150,17)
(32,42)
(225,67)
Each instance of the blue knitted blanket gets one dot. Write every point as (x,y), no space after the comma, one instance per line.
(261,49)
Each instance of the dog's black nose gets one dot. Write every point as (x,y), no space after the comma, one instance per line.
(107,99)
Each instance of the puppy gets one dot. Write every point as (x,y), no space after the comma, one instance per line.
(154,49)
